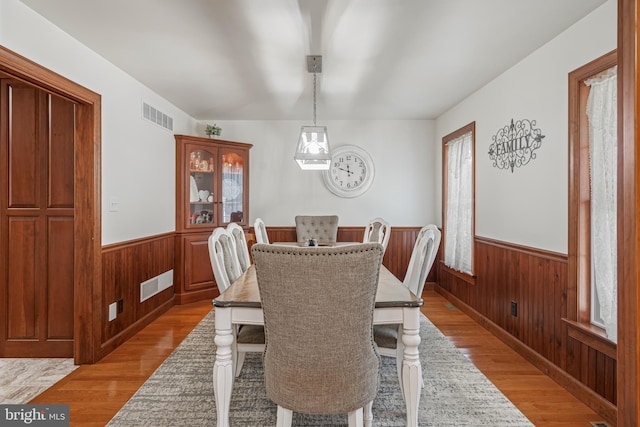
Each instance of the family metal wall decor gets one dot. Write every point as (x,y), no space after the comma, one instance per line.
(515,144)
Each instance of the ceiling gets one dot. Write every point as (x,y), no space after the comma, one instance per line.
(246,59)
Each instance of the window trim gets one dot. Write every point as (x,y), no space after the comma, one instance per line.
(471,127)
(579,217)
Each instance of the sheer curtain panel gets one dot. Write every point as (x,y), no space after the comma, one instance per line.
(603,149)
(459,212)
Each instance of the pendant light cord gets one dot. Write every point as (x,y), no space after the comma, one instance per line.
(314,93)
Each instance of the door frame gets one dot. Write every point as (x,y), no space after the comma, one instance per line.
(628,213)
(87,287)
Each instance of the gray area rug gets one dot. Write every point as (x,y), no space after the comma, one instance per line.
(180,391)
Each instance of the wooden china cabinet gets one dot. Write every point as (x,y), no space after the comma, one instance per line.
(212,190)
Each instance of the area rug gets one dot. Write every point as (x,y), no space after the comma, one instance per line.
(180,391)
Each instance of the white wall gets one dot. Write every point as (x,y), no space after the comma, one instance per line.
(530,205)
(402,191)
(527,207)
(138,165)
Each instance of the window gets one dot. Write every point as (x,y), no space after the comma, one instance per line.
(458,208)
(592,267)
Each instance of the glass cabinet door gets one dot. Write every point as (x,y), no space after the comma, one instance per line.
(201,188)
(233,168)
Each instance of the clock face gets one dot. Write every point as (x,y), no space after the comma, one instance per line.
(351,171)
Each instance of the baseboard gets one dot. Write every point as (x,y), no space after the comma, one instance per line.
(596,402)
(429,286)
(194,296)
(116,341)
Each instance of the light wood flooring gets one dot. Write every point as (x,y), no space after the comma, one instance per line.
(96,392)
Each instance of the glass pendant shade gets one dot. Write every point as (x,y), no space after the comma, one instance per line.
(313,148)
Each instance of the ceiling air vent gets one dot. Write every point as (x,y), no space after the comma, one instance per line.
(156,116)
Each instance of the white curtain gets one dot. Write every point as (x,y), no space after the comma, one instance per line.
(458,236)
(603,157)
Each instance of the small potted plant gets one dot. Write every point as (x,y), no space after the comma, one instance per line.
(213,130)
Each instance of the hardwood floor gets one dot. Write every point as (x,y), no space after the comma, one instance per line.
(96,392)
(538,397)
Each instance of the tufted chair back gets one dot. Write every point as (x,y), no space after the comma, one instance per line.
(323,228)
(314,363)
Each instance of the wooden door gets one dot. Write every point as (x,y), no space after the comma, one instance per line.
(36,222)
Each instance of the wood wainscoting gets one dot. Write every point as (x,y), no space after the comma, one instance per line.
(536,281)
(124,267)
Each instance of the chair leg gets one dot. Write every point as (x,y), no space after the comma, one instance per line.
(284,417)
(355,418)
(368,414)
(239,362)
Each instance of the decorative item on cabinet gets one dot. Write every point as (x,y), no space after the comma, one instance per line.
(212,189)
(213,130)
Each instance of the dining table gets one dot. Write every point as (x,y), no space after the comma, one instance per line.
(240,304)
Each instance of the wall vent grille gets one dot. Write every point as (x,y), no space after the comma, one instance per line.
(155,285)
(156,116)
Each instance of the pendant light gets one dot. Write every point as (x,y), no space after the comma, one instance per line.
(313,151)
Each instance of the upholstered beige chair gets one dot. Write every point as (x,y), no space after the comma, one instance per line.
(378,230)
(261,231)
(314,363)
(389,337)
(226,269)
(242,250)
(323,228)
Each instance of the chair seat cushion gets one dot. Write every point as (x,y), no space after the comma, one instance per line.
(385,336)
(251,334)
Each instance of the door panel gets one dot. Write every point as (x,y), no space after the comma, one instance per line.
(198,272)
(25,105)
(22,313)
(37,222)
(60,278)
(61,157)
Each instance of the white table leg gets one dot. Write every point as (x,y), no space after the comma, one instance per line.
(411,368)
(223,374)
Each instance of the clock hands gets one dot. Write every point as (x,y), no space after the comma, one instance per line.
(349,173)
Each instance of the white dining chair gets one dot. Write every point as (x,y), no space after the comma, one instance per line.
(261,231)
(314,363)
(226,269)
(389,337)
(242,249)
(224,259)
(379,231)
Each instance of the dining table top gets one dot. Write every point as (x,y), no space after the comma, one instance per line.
(244,292)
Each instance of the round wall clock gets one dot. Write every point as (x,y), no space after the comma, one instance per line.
(351,171)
